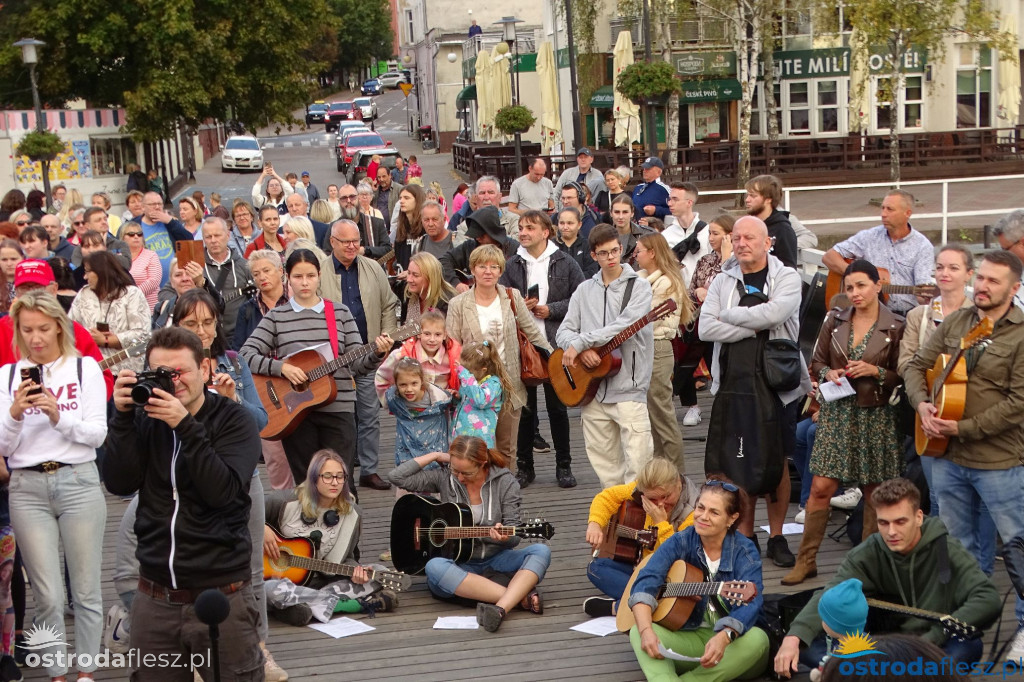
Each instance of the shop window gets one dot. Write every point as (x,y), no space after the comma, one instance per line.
(828,106)
(913,104)
(974,87)
(111,155)
(799,108)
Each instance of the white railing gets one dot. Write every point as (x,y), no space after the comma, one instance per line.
(945,214)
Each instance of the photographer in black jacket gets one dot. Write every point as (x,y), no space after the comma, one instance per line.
(190,454)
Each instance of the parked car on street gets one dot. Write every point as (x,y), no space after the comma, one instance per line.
(391,79)
(316,112)
(372,87)
(361,159)
(355,142)
(348,131)
(241,152)
(368,106)
(342,111)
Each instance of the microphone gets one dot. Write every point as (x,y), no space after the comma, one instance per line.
(212,608)
(315,537)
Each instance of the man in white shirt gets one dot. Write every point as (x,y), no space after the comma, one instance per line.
(533,191)
(684,231)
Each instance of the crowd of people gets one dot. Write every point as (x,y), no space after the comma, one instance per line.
(434,311)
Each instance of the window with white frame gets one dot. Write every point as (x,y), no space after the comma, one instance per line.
(759,111)
(410,27)
(812,107)
(912,113)
(974,87)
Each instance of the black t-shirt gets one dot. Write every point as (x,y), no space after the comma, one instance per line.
(758,280)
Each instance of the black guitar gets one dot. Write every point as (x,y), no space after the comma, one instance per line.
(423,528)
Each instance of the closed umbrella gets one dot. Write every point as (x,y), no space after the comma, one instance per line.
(1009,76)
(550,119)
(484,96)
(627,114)
(501,83)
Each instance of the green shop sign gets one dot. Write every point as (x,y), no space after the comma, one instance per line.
(835,62)
(694,64)
(724,90)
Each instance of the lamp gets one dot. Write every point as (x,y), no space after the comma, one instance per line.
(452,57)
(31,58)
(28,50)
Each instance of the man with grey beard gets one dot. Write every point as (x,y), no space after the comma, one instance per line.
(373,232)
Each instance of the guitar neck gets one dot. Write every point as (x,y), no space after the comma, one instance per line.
(117,358)
(321,566)
(625,334)
(469,532)
(906,610)
(627,532)
(690,589)
(946,372)
(383,260)
(331,367)
(908,289)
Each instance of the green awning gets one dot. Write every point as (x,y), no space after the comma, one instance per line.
(603,98)
(467,93)
(723,90)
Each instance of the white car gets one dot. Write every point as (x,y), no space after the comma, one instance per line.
(391,79)
(241,152)
(368,107)
(347,125)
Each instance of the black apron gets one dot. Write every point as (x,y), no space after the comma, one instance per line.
(745,433)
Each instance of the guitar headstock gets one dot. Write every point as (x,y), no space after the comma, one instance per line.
(738,592)
(666,308)
(978,333)
(926,290)
(646,538)
(137,348)
(957,629)
(538,528)
(394,580)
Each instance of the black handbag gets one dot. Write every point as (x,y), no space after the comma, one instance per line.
(782,369)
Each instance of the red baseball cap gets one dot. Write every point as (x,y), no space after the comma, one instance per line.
(33,271)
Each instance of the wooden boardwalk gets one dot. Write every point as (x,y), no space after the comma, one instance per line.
(529,648)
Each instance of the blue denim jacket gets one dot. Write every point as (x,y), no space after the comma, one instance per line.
(740,561)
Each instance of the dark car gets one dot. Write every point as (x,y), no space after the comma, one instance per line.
(342,111)
(316,112)
(372,87)
(348,146)
(361,160)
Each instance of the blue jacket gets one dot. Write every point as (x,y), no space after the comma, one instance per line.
(419,431)
(651,194)
(740,561)
(245,387)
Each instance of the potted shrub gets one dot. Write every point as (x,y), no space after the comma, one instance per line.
(41,146)
(514,119)
(648,83)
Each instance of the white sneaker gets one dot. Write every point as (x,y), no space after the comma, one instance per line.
(800,516)
(115,636)
(1016,650)
(271,670)
(848,500)
(692,416)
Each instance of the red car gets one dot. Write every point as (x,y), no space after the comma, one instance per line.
(342,111)
(354,143)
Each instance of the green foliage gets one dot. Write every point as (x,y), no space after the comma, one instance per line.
(514,119)
(648,80)
(41,146)
(363,34)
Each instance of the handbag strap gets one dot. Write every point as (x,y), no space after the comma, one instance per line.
(512,304)
(332,326)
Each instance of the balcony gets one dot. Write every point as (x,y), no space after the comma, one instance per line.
(703,31)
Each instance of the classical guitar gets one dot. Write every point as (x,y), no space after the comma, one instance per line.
(297,562)
(834,286)
(684,586)
(625,537)
(135,349)
(577,386)
(423,528)
(247,291)
(390,265)
(955,628)
(287,404)
(947,388)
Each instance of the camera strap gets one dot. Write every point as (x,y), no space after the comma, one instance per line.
(332,326)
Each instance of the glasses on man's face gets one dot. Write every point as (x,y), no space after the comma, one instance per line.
(611,253)
(332,478)
(346,242)
(347,197)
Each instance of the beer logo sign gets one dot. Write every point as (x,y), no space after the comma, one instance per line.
(690,66)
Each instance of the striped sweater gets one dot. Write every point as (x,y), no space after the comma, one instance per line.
(282,331)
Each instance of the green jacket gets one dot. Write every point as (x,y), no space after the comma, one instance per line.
(912,580)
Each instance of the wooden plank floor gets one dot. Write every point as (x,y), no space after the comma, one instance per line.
(527,647)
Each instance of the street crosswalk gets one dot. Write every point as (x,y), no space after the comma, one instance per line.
(284,144)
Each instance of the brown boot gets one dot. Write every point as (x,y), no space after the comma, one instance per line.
(870,521)
(814,531)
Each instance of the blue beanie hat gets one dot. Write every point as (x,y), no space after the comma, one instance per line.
(843,608)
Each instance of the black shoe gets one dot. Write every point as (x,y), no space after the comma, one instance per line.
(374,481)
(539,444)
(20,652)
(599,607)
(297,615)
(525,477)
(565,477)
(379,602)
(778,552)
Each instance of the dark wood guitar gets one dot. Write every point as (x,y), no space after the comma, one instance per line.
(391,266)
(247,291)
(135,349)
(287,404)
(298,563)
(577,386)
(947,388)
(684,586)
(423,528)
(954,627)
(834,286)
(625,537)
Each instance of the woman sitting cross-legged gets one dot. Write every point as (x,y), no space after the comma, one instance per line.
(725,639)
(477,477)
(321,509)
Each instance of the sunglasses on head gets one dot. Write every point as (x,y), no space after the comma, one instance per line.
(714,483)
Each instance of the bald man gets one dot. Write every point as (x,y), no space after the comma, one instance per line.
(60,246)
(756,298)
(298,207)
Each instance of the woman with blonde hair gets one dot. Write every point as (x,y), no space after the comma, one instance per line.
(425,287)
(321,212)
(615,179)
(297,228)
(72,201)
(660,267)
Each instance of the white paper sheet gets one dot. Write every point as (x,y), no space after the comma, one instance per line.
(787,529)
(456,623)
(342,627)
(668,653)
(832,391)
(597,626)
(322,349)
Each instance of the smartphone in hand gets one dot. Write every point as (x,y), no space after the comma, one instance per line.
(35,375)
(533,291)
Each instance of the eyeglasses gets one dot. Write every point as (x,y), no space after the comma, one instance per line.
(612,253)
(22,223)
(78,222)
(132,234)
(458,472)
(346,242)
(715,483)
(192,325)
(332,478)
(347,197)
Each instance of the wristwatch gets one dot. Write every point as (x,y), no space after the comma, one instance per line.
(731,634)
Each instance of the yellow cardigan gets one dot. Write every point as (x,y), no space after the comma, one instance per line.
(607,502)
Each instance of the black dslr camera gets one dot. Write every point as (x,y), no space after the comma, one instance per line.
(147,382)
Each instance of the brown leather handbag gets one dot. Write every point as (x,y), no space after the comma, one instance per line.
(534,367)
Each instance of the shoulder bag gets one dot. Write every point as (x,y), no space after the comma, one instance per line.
(534,368)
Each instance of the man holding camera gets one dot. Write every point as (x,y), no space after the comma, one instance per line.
(190,454)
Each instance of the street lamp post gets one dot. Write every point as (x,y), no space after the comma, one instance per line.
(652,134)
(30,59)
(508,25)
(574,94)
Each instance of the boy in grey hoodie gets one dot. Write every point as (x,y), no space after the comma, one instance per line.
(616,426)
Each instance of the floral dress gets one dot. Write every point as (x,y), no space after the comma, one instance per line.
(479,405)
(857,445)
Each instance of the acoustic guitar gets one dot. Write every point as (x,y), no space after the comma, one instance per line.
(391,266)
(625,537)
(577,386)
(297,562)
(954,627)
(834,286)
(947,388)
(135,349)
(287,404)
(423,528)
(684,586)
(229,295)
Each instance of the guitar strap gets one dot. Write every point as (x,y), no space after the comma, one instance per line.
(627,293)
(332,326)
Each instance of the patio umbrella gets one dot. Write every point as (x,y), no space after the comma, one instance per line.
(627,114)
(1009,76)
(550,119)
(501,83)
(484,97)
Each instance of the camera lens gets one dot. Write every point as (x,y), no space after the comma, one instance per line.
(142,392)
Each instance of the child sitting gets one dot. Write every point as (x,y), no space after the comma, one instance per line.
(437,354)
(482,386)
(844,611)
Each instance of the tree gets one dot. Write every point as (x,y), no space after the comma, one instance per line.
(364,32)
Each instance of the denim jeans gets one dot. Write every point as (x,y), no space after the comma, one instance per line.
(367,425)
(984,531)
(444,575)
(63,508)
(805,431)
(610,576)
(961,490)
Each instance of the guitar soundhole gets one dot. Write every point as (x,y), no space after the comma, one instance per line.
(435,533)
(281,564)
